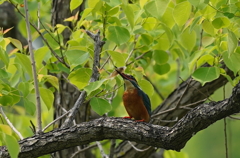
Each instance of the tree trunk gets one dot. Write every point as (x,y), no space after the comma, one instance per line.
(67,94)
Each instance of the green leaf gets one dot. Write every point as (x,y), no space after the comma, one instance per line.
(161,69)
(41,54)
(80,77)
(8,95)
(221,22)
(16,43)
(100,106)
(149,23)
(47,97)
(188,39)
(24,87)
(156,8)
(200,4)
(53,80)
(147,87)
(207,40)
(77,57)
(25,63)
(129,14)
(174,154)
(6,100)
(4,56)
(232,61)
(29,106)
(160,56)
(93,86)
(118,58)
(74,4)
(206,74)
(118,34)
(205,59)
(232,42)
(182,12)
(146,39)
(3,74)
(12,146)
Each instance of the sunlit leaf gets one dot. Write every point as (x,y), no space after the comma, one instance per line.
(146,87)
(182,12)
(221,22)
(232,61)
(118,58)
(25,63)
(156,8)
(118,34)
(47,97)
(129,14)
(232,42)
(6,129)
(12,146)
(76,57)
(93,86)
(74,4)
(16,43)
(4,56)
(206,74)
(80,77)
(100,106)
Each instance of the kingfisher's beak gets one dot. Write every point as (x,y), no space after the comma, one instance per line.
(122,75)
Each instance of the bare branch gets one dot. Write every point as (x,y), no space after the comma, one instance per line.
(37,93)
(173,138)
(94,77)
(10,123)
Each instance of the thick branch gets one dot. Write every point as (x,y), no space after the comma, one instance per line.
(195,95)
(173,138)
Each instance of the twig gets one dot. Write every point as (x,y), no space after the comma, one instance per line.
(60,117)
(235,118)
(139,57)
(130,54)
(82,150)
(37,93)
(112,148)
(94,77)
(140,150)
(101,150)
(225,126)
(46,42)
(10,124)
(155,88)
(181,107)
(38,16)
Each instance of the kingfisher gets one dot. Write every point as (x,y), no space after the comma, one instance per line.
(136,102)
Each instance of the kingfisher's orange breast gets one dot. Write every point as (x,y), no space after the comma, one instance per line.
(134,105)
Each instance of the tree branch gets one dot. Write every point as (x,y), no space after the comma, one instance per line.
(173,138)
(36,87)
(94,77)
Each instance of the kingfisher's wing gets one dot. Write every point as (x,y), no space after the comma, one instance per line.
(146,100)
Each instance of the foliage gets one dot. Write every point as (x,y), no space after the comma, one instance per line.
(164,40)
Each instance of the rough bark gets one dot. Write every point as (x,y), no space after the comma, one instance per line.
(174,137)
(188,92)
(8,19)
(67,96)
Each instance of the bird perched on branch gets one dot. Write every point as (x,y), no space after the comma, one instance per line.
(136,102)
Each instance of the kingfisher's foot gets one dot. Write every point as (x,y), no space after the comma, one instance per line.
(140,120)
(127,117)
